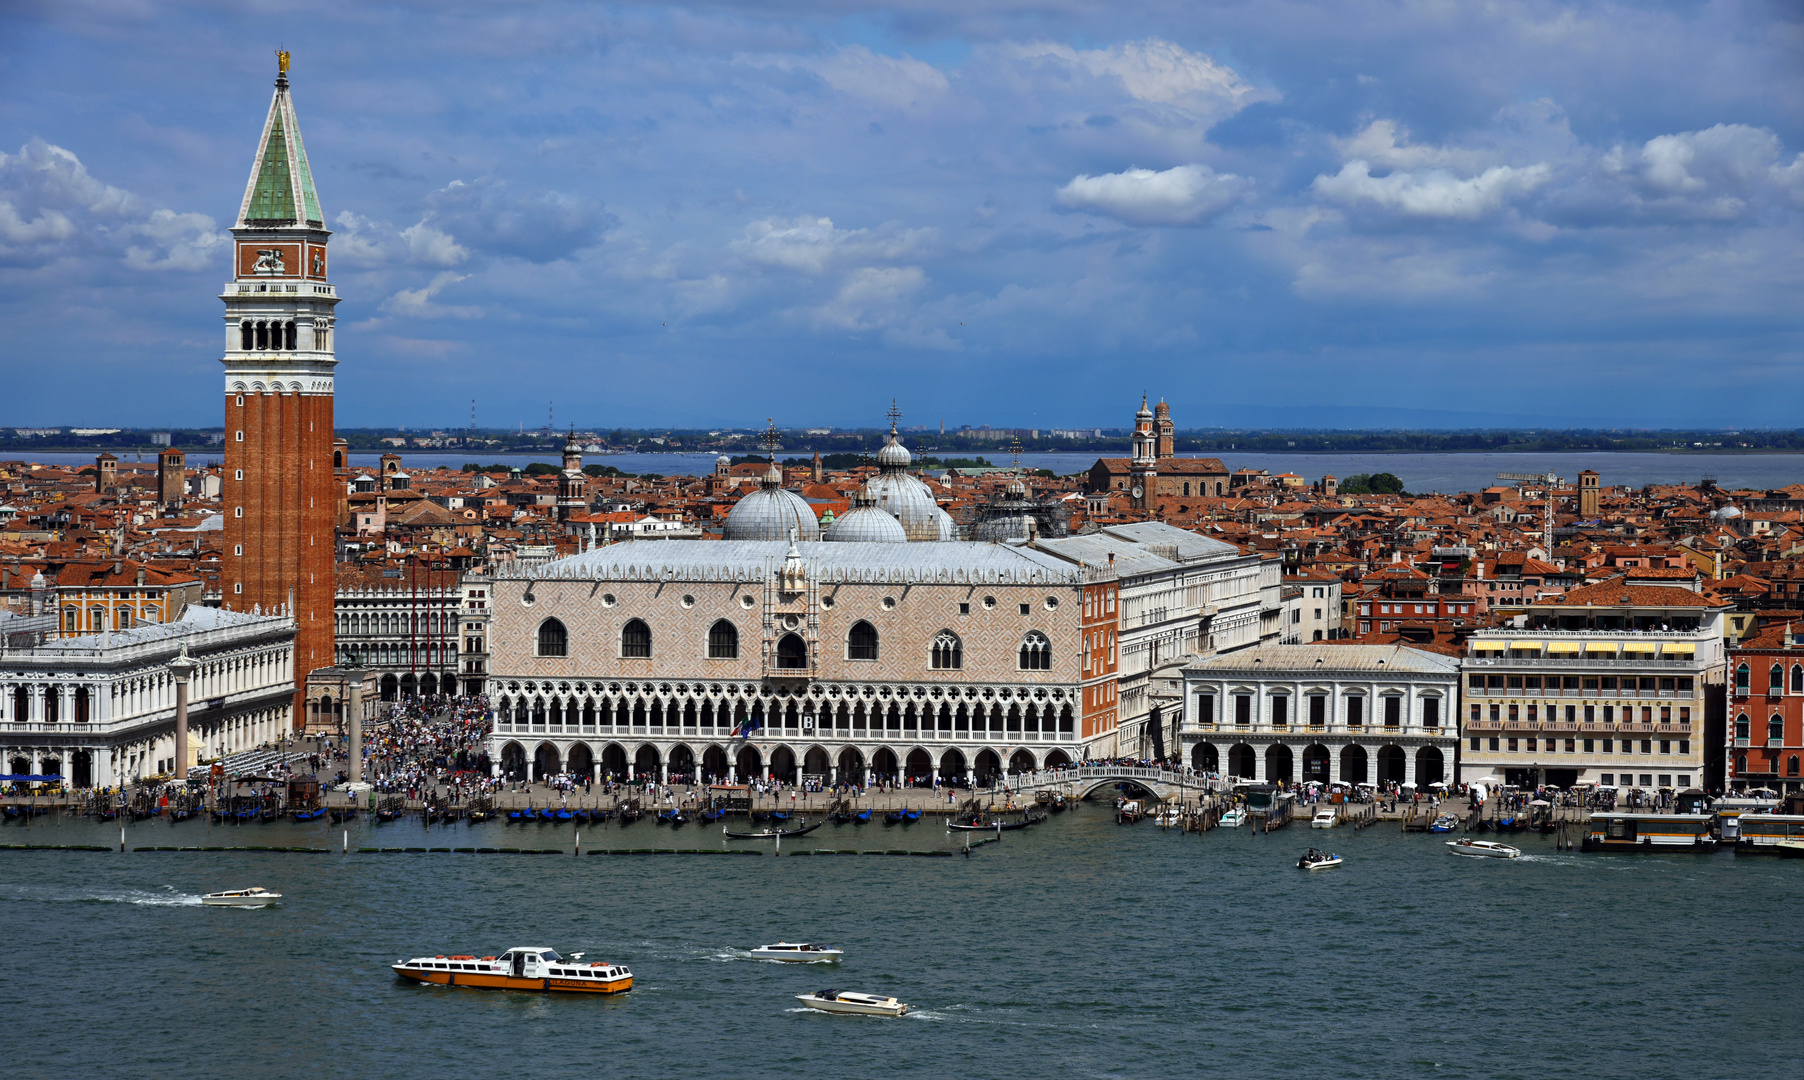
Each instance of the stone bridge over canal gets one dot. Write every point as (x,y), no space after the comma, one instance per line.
(1081,780)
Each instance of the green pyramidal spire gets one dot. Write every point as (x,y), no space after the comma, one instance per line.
(281,191)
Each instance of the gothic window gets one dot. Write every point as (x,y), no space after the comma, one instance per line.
(861,643)
(1036,652)
(1797,678)
(1741,727)
(1775,679)
(554,640)
(723,641)
(635,639)
(247,336)
(948,652)
(1791,765)
(792,652)
(1741,679)
(1775,732)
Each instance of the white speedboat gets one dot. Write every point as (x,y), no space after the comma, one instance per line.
(1482,849)
(847,1001)
(251,897)
(796,952)
(1233,819)
(1169,816)
(1325,818)
(1318,860)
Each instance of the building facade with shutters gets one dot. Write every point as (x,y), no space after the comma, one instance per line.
(1608,684)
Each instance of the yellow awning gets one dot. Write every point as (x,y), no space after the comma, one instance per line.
(1559,647)
(1525,646)
(1639,647)
(1682,649)
(1487,646)
(1600,647)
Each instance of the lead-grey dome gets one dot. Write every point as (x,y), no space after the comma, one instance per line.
(770,513)
(865,524)
(904,497)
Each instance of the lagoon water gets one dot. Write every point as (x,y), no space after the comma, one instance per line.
(1446,473)
(1077,949)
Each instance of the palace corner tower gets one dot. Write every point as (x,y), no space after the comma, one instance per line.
(279,494)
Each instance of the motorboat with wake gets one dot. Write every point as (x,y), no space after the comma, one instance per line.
(534,969)
(251,897)
(1482,849)
(851,1002)
(1318,860)
(796,952)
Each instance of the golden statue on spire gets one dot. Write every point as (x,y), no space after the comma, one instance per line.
(282,61)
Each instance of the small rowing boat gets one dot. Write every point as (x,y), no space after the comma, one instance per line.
(251,897)
(773,834)
(850,1002)
(533,969)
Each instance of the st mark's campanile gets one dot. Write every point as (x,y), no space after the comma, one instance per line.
(278,487)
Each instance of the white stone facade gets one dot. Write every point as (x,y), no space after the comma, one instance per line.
(101,709)
(1348,713)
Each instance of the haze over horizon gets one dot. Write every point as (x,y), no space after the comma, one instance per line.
(1283,214)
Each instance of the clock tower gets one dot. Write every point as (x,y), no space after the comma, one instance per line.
(279,313)
(1144,468)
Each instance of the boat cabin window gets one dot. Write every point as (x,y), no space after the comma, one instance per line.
(550,957)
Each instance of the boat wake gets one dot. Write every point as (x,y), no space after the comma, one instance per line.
(165,897)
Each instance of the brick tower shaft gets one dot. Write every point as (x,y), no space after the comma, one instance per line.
(280,496)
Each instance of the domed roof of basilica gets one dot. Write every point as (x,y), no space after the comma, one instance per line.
(906,498)
(865,524)
(770,513)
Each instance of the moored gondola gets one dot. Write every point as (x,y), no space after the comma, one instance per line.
(774,834)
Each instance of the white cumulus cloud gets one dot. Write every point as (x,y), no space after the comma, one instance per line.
(812,245)
(419,303)
(1432,193)
(51,207)
(872,297)
(896,81)
(368,242)
(1183,195)
(1159,71)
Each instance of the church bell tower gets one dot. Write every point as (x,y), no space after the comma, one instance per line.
(279,494)
(1144,467)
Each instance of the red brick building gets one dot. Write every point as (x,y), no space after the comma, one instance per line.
(1766,712)
(279,496)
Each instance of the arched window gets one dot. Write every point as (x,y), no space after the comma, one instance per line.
(554,640)
(948,651)
(1741,679)
(635,639)
(1741,764)
(247,336)
(792,652)
(1775,731)
(1036,652)
(262,335)
(291,336)
(1741,727)
(1791,765)
(1775,679)
(861,643)
(1797,678)
(723,641)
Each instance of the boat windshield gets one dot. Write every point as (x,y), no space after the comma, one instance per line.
(550,956)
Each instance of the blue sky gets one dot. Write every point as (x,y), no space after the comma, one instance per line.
(1432,213)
